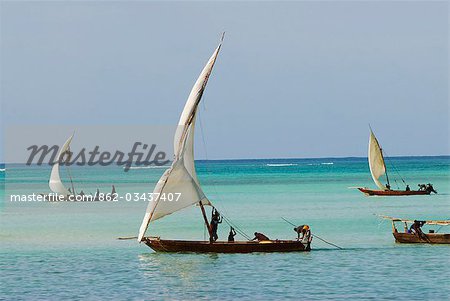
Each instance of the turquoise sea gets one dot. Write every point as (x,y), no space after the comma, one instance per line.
(54,251)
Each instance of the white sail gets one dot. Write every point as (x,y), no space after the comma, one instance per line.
(55,180)
(181,178)
(376,161)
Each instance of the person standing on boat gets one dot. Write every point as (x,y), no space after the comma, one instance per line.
(216,219)
(231,235)
(407,188)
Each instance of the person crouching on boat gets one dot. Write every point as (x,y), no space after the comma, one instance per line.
(260,237)
(304,231)
(299,230)
(216,219)
(416,228)
(430,188)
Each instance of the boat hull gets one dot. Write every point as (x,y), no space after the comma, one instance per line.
(160,245)
(370,192)
(429,238)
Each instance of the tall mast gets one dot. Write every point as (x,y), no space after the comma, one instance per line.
(385,168)
(68,171)
(208,226)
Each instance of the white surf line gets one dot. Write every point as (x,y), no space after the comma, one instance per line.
(281,164)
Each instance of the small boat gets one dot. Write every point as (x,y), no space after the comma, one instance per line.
(60,192)
(181,179)
(409,236)
(378,168)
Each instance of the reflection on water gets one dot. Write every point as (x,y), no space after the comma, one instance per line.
(330,274)
(183,267)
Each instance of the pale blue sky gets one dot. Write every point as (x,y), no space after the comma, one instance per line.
(294,79)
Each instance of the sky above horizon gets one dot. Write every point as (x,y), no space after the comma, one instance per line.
(293,79)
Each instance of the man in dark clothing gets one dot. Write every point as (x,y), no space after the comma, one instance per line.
(407,188)
(260,237)
(430,188)
(299,230)
(416,228)
(304,230)
(231,235)
(216,219)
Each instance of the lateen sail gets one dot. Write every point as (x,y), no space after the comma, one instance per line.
(376,161)
(55,180)
(181,176)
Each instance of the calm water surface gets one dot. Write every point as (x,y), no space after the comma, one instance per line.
(55,251)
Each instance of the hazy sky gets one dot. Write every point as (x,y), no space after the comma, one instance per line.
(294,79)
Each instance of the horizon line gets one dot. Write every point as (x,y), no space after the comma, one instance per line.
(293,158)
(336,157)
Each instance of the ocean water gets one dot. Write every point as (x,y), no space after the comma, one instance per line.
(53,251)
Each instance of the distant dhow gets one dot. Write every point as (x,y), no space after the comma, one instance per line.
(378,168)
(60,191)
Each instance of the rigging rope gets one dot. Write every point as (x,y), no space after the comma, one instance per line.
(238,230)
(69,157)
(80,182)
(395,168)
(67,169)
(227,220)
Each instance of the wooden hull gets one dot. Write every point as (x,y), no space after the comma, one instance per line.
(370,192)
(429,238)
(160,245)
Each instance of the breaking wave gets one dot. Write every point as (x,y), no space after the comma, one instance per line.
(281,164)
(146,167)
(322,163)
